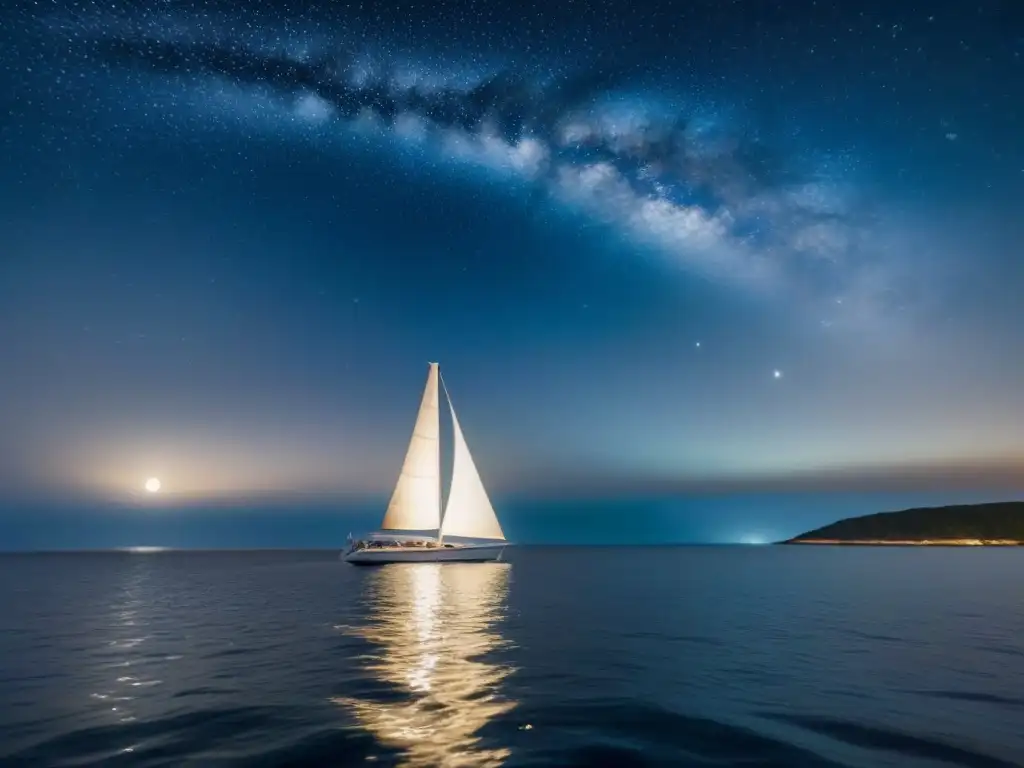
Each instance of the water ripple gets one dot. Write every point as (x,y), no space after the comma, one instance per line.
(649,657)
(904,744)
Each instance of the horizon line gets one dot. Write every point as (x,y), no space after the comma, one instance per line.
(157,550)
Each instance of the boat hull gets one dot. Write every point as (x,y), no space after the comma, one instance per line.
(469,554)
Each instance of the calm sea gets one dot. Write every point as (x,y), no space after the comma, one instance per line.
(703,656)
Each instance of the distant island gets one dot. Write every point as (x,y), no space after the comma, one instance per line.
(966,525)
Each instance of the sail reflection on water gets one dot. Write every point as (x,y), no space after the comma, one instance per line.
(433,626)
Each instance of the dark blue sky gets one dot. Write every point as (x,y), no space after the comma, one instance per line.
(750,256)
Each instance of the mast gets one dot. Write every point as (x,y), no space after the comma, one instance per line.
(440,506)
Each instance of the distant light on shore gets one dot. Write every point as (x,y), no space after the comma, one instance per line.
(753,538)
(144,550)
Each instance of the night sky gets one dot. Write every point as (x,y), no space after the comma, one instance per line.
(701,271)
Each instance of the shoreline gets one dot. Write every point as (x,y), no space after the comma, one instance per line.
(908,542)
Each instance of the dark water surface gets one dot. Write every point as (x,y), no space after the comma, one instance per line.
(714,656)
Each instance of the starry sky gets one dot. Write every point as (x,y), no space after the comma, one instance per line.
(731,269)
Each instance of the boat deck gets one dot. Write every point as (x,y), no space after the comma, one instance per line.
(409,548)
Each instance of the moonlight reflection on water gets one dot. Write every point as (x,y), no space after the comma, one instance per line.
(433,627)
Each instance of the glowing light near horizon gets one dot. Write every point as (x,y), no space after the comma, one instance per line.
(753,539)
(153,485)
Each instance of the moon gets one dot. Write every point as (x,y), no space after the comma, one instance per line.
(153,485)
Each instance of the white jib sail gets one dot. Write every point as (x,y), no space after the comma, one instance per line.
(468,512)
(416,502)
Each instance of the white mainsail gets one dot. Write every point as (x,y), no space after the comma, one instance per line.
(468,512)
(416,502)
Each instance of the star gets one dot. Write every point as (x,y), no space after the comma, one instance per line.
(777,374)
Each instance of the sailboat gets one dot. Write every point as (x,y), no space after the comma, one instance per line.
(414,530)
